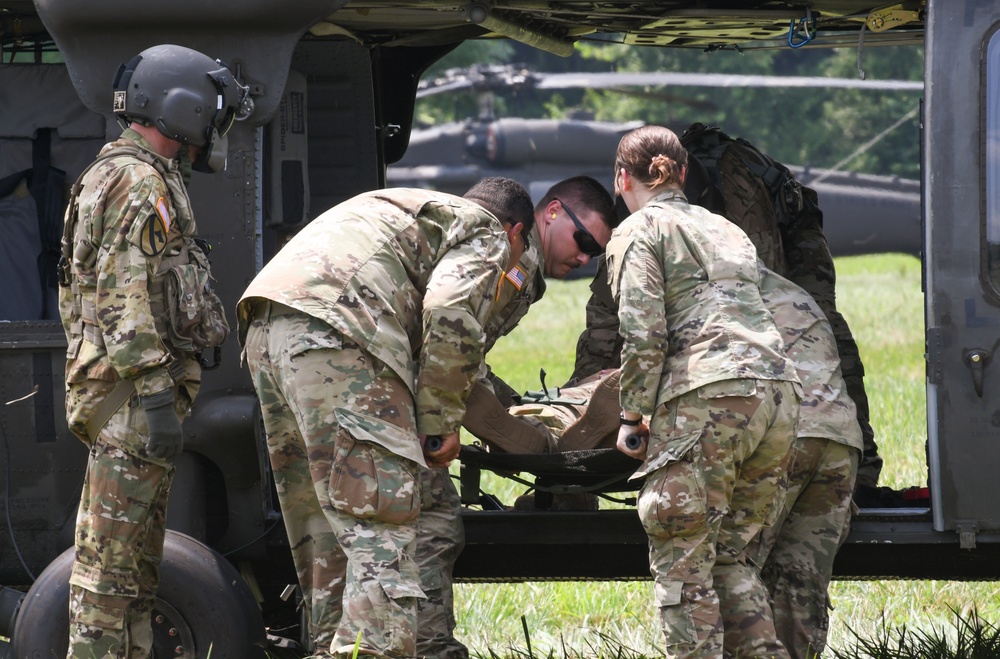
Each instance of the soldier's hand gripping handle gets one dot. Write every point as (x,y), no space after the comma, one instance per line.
(166,439)
(633,442)
(433,444)
(633,439)
(440,450)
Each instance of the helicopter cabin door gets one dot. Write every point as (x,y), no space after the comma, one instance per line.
(961,141)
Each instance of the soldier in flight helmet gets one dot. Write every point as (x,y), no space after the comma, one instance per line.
(187,96)
(132,369)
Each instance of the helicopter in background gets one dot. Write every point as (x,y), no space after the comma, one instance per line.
(863,214)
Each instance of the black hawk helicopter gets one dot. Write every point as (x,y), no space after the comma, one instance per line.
(863,213)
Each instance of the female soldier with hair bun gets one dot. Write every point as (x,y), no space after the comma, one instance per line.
(706,385)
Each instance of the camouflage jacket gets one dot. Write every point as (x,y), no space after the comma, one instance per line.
(600,345)
(826,410)
(686,283)
(520,287)
(130,215)
(410,275)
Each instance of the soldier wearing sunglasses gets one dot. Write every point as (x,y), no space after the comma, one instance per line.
(573,223)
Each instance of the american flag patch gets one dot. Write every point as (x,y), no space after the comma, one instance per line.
(517,276)
(161,210)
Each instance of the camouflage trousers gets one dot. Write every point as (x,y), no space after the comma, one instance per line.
(350,506)
(717,461)
(120,530)
(797,553)
(810,265)
(440,539)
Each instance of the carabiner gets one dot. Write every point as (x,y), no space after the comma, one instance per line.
(805,24)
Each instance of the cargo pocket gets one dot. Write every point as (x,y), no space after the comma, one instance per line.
(101,599)
(369,482)
(673,501)
(675,615)
(102,611)
(88,363)
(398,615)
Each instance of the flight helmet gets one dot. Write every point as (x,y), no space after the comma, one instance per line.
(186,95)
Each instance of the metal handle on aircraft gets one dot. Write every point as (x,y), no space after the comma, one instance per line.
(977,360)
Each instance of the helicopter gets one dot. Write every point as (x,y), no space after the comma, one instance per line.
(333,85)
(863,213)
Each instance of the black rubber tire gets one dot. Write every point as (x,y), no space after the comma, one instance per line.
(203,603)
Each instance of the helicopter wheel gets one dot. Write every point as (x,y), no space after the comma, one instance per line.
(202,605)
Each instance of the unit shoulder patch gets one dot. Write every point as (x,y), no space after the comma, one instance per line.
(153,236)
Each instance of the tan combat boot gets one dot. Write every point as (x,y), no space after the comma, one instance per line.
(598,427)
(488,419)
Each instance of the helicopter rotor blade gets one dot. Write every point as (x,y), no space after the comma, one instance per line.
(668,78)
(444,87)
(665,97)
(511,76)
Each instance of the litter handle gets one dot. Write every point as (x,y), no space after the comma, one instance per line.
(633,442)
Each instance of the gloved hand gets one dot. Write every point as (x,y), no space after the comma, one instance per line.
(165,439)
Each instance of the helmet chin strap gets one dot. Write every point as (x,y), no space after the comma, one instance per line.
(212,156)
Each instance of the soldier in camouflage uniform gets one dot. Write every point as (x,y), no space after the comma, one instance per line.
(364,335)
(573,222)
(131,375)
(703,361)
(796,249)
(797,552)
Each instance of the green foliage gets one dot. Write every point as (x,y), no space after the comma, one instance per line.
(814,126)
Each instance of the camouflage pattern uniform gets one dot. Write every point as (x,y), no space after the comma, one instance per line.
(582,417)
(797,553)
(701,356)
(810,265)
(132,216)
(797,251)
(440,533)
(521,286)
(363,331)
(440,539)
(600,344)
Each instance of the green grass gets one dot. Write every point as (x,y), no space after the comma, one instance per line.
(969,637)
(881,299)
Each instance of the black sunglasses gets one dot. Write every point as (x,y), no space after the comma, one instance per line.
(584,239)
